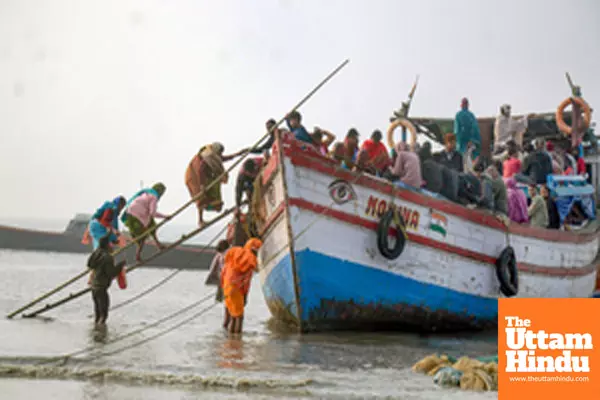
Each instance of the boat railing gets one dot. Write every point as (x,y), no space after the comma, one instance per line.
(569,185)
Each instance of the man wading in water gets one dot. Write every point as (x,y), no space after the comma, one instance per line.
(104,270)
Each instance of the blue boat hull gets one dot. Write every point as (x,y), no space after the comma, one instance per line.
(334,294)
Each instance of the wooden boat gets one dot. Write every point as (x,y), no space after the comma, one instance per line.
(321,267)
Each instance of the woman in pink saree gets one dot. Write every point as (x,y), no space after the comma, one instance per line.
(517,202)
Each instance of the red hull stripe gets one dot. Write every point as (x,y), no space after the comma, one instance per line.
(424,241)
(319,164)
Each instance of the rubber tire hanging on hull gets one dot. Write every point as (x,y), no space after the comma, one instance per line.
(383,228)
(507,272)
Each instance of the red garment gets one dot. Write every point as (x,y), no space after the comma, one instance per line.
(581,169)
(568,171)
(510,167)
(378,154)
(106,218)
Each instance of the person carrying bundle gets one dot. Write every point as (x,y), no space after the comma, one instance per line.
(103,271)
(240,263)
(139,216)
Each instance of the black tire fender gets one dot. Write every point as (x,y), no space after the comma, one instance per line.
(507,272)
(385,223)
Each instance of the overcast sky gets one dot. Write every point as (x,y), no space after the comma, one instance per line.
(96,96)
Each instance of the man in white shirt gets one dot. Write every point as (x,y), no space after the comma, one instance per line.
(507,127)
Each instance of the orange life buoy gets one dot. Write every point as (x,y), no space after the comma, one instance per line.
(122,279)
(405,124)
(560,117)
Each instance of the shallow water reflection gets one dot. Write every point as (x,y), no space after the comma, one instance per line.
(264,362)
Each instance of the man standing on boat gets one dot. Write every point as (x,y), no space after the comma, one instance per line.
(294,122)
(265,148)
(466,129)
(507,127)
(538,165)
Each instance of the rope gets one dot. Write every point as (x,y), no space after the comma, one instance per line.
(160,321)
(134,332)
(196,197)
(171,316)
(139,264)
(218,179)
(164,280)
(156,336)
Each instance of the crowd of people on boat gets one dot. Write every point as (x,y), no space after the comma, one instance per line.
(458,173)
(512,182)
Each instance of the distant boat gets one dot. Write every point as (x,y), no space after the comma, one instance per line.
(69,241)
(323,268)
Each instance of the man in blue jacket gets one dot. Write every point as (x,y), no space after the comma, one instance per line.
(294,123)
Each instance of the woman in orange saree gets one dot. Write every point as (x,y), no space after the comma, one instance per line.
(240,263)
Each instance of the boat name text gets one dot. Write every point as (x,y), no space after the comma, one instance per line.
(377,207)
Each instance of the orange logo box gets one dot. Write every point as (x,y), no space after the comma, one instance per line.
(548,349)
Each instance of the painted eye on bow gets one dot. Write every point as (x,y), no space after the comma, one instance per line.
(341,192)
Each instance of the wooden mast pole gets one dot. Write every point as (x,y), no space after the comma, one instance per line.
(576,132)
(406,106)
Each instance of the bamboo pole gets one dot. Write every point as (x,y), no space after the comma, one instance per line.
(240,159)
(45,296)
(199,195)
(73,296)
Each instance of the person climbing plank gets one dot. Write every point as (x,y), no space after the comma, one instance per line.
(105,219)
(139,216)
(245,181)
(203,169)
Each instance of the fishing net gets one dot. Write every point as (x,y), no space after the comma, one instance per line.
(468,373)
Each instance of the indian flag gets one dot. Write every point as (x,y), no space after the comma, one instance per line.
(438,223)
